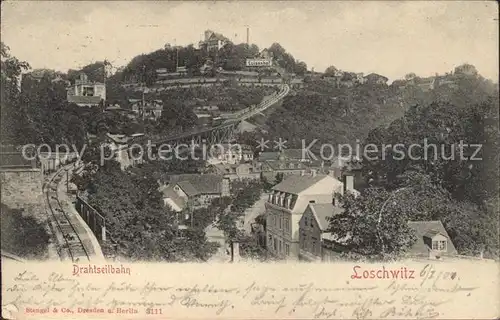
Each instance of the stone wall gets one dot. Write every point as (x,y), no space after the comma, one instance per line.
(21,187)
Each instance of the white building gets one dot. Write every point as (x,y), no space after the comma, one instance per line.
(286,205)
(86,93)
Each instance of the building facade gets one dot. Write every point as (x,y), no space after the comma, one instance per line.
(314,240)
(242,171)
(287,202)
(197,190)
(86,93)
(213,41)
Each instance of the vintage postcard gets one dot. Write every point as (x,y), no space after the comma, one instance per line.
(250,160)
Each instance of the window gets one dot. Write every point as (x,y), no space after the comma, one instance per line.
(270,238)
(439,245)
(313,249)
(287,225)
(312,223)
(88,91)
(176,188)
(275,244)
(287,249)
(280,222)
(280,250)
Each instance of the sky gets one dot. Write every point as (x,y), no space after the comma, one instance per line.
(389,38)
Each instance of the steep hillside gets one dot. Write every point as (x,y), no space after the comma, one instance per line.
(334,115)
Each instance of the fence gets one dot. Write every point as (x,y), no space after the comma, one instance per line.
(95,221)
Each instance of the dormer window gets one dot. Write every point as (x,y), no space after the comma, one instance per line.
(176,188)
(290,165)
(439,245)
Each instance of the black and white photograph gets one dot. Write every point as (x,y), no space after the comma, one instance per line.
(195,134)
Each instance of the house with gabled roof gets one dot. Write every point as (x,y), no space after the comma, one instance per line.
(313,228)
(196,189)
(432,240)
(374,78)
(285,207)
(213,41)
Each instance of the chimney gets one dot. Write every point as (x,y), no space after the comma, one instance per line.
(248,36)
(235,251)
(348,183)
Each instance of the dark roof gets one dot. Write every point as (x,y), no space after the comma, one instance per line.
(323,212)
(428,229)
(296,184)
(286,165)
(84,99)
(194,184)
(265,156)
(291,154)
(217,36)
(295,154)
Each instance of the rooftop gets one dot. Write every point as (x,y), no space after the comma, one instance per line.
(428,229)
(195,184)
(295,184)
(323,212)
(168,192)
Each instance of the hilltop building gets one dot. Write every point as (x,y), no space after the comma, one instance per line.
(213,41)
(86,93)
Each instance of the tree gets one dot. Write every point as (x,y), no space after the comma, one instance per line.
(13,119)
(370,228)
(22,234)
(467,115)
(300,68)
(410,76)
(138,220)
(331,71)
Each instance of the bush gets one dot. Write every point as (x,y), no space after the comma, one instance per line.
(22,234)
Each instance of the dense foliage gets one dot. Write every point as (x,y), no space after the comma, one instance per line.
(333,115)
(22,234)
(458,185)
(138,220)
(37,111)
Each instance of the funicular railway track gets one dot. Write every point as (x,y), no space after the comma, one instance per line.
(72,246)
